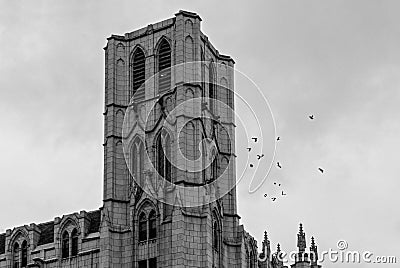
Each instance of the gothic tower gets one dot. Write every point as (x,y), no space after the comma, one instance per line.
(169,167)
(169,175)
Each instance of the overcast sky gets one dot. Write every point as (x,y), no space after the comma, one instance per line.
(339,60)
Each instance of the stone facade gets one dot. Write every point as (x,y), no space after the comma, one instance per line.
(143,223)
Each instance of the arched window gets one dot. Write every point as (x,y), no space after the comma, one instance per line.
(120,81)
(211,89)
(65,245)
(189,50)
(16,256)
(74,243)
(137,70)
(152,225)
(163,145)
(164,66)
(142,227)
(24,254)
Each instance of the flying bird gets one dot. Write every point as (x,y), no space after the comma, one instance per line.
(265,195)
(273,199)
(283,193)
(320,169)
(251,165)
(311,117)
(255,139)
(249,149)
(278,139)
(278,164)
(259,156)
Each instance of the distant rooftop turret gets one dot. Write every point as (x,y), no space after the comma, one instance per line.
(301,239)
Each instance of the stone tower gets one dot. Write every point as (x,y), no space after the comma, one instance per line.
(169,176)
(169,167)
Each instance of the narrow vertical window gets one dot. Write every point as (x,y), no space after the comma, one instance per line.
(211,90)
(160,156)
(163,148)
(138,161)
(202,58)
(24,254)
(215,236)
(65,245)
(135,160)
(142,227)
(120,81)
(74,243)
(204,158)
(137,71)
(168,175)
(164,66)
(141,163)
(16,256)
(152,225)
(214,166)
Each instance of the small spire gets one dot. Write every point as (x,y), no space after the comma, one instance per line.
(313,252)
(301,239)
(265,236)
(278,248)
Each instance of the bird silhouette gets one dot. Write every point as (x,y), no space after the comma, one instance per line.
(320,169)
(255,139)
(248,149)
(311,117)
(251,165)
(283,193)
(278,164)
(259,156)
(273,199)
(265,195)
(278,139)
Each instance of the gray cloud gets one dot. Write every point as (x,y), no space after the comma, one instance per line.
(337,59)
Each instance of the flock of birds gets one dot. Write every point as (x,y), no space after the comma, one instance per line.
(274,198)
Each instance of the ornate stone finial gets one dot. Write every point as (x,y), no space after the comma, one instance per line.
(265,236)
(312,242)
(313,252)
(301,228)
(278,248)
(301,239)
